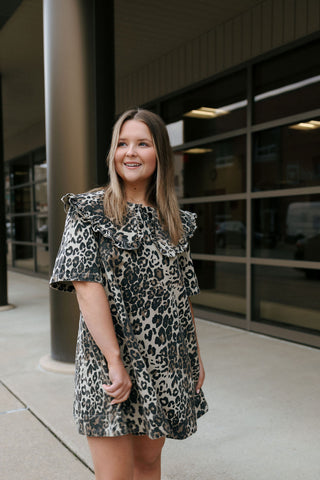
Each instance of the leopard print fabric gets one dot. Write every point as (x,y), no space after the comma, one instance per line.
(147,281)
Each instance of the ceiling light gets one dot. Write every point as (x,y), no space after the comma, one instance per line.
(205,112)
(197,150)
(287,88)
(311,125)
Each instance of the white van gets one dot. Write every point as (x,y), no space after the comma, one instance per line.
(303,220)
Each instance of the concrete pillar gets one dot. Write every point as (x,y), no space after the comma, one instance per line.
(71,103)
(105,83)
(3,244)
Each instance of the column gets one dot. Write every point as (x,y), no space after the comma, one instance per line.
(3,243)
(72,100)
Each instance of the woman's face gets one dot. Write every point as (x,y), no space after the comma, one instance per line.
(135,157)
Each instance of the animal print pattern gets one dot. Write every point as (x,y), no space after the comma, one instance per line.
(147,280)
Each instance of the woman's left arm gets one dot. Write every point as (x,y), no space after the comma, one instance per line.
(202,372)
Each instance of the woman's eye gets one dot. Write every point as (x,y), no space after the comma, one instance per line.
(121,144)
(143,144)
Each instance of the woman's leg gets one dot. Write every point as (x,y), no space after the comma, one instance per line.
(147,457)
(112,457)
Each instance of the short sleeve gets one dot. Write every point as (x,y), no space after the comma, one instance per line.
(188,273)
(78,257)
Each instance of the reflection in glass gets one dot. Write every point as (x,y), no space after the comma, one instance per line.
(21,200)
(42,260)
(287,157)
(287,228)
(41,197)
(9,228)
(23,257)
(209,110)
(7,200)
(212,169)
(9,254)
(221,228)
(42,229)
(222,287)
(20,171)
(287,84)
(286,297)
(295,98)
(22,228)
(40,172)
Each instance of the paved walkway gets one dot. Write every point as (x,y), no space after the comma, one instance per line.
(264,397)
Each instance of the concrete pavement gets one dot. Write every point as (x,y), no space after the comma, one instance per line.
(263,393)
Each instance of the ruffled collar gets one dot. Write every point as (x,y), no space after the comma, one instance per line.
(129,236)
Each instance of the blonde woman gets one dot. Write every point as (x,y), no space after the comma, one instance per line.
(125,252)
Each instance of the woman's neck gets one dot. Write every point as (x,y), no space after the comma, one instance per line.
(136,195)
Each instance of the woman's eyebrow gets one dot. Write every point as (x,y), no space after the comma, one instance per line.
(137,139)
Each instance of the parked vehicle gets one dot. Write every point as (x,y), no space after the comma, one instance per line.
(231,232)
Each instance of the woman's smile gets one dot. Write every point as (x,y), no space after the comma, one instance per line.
(135,157)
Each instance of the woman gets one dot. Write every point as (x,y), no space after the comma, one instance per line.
(125,252)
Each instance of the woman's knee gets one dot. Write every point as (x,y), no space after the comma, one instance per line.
(112,457)
(147,452)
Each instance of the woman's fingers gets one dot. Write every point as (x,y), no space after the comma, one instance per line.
(119,395)
(117,391)
(121,384)
(201,377)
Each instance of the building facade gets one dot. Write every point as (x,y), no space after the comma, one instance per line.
(242,104)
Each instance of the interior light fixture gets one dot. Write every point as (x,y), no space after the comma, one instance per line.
(206,113)
(197,150)
(287,88)
(311,125)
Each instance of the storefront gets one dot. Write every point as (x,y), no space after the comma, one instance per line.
(247,162)
(240,96)
(27,213)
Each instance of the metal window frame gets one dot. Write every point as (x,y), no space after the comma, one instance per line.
(33,213)
(288,333)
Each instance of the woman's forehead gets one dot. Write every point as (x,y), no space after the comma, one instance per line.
(135,128)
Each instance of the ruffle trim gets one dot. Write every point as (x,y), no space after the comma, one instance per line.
(129,236)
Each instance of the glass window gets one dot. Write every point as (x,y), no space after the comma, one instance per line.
(9,254)
(21,199)
(287,84)
(287,297)
(221,227)
(213,169)
(7,177)
(42,259)
(7,200)
(40,172)
(20,170)
(211,109)
(9,228)
(287,227)
(23,257)
(22,228)
(42,229)
(222,287)
(40,190)
(287,157)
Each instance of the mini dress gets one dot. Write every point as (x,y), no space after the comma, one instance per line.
(148,281)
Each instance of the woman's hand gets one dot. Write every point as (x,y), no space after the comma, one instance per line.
(120,383)
(201,376)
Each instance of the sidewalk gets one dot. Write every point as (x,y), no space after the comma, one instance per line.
(264,397)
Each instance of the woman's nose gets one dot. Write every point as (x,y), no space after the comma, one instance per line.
(131,151)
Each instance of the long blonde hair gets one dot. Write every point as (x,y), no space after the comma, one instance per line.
(161,193)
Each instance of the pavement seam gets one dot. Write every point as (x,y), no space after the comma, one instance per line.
(64,444)
(16,410)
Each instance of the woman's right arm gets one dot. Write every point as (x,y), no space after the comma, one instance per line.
(95,309)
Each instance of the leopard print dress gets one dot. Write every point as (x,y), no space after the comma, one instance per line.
(147,281)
